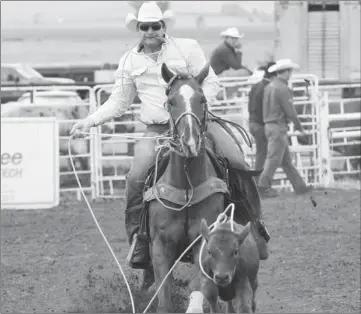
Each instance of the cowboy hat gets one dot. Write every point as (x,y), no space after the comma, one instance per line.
(149,12)
(232,32)
(283,64)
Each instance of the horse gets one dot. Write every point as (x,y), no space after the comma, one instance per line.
(189,188)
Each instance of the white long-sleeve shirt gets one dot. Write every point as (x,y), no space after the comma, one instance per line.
(138,73)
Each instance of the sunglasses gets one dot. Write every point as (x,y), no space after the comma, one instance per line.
(154,26)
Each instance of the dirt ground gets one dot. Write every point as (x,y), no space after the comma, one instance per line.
(56,261)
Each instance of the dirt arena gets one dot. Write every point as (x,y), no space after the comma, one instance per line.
(56,261)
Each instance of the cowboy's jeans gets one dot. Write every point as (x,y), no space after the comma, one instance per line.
(258,132)
(278,155)
(144,157)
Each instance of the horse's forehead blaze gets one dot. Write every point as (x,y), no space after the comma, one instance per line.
(187,93)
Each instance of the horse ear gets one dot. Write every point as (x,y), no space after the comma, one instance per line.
(203,74)
(204,229)
(166,73)
(244,233)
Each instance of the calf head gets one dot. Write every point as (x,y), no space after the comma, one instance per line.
(223,250)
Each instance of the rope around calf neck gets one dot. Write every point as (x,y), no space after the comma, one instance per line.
(220,219)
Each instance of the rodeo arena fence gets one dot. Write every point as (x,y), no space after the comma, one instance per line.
(102,162)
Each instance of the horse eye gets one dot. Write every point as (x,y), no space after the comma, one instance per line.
(209,252)
(235,253)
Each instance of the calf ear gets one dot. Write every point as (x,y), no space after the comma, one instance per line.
(204,229)
(166,73)
(244,233)
(203,74)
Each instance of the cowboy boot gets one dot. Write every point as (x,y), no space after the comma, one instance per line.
(138,256)
(254,204)
(262,237)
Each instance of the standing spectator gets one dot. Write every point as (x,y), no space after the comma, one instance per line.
(228,55)
(255,110)
(278,111)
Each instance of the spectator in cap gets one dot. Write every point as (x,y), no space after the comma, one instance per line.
(278,111)
(228,55)
(255,110)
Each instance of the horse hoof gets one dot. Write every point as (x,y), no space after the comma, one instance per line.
(194,310)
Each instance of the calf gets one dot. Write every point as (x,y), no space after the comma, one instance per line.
(231,261)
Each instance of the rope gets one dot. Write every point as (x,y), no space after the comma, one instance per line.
(135,137)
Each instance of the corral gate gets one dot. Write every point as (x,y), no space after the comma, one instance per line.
(67,107)
(333,143)
(114,155)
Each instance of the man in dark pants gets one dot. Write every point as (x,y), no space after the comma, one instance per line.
(228,55)
(278,111)
(255,110)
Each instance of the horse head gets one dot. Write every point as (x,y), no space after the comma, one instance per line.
(187,107)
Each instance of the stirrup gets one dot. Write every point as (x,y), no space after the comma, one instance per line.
(263,230)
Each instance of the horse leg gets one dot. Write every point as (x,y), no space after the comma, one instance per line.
(254,285)
(148,278)
(166,232)
(162,263)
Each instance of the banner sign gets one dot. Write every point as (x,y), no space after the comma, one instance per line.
(29,163)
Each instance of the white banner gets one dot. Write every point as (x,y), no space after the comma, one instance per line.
(29,163)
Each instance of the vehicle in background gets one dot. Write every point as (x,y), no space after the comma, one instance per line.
(24,75)
(46,103)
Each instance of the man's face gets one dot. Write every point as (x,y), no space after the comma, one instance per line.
(234,42)
(286,74)
(151,34)
(289,74)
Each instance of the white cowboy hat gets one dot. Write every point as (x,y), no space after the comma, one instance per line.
(232,32)
(283,64)
(149,12)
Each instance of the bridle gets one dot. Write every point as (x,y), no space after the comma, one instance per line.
(207,116)
(202,123)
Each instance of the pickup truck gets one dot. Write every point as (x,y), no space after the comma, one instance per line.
(13,75)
